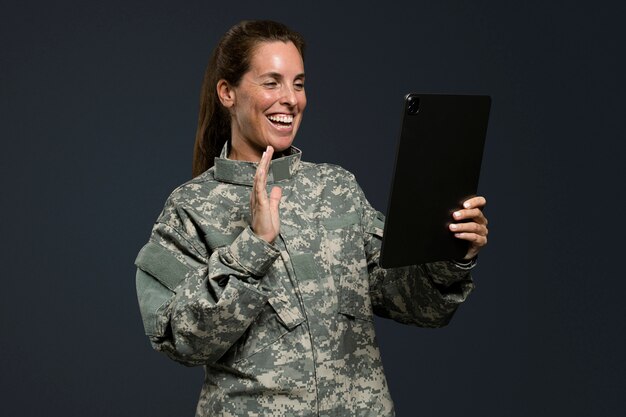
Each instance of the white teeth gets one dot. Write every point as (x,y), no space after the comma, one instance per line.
(282,118)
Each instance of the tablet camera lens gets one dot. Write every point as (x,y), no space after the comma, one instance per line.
(413,105)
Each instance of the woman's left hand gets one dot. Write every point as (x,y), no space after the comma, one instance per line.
(474,228)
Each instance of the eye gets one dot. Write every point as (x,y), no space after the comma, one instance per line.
(298,85)
(270,84)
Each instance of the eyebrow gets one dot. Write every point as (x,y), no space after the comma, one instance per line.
(277,75)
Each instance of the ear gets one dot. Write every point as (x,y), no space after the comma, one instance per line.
(226,93)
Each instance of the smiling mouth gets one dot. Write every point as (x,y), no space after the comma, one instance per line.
(281,120)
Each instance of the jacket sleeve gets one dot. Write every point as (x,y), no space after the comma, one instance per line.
(195,305)
(424,295)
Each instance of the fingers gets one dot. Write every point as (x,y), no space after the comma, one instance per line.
(473,230)
(474,214)
(472,210)
(474,202)
(260,179)
(476,240)
(474,233)
(275,196)
(265,221)
(469,227)
(259,193)
(277,192)
(472,226)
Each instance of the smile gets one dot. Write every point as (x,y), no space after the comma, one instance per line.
(281,120)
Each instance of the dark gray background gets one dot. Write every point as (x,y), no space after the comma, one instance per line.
(98,112)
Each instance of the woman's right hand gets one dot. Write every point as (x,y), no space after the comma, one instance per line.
(264,208)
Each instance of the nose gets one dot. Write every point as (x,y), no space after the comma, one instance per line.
(288,96)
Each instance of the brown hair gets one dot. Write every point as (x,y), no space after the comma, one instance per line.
(230,61)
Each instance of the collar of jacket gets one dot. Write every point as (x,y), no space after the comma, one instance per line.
(242,172)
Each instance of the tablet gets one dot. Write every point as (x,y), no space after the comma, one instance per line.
(437,167)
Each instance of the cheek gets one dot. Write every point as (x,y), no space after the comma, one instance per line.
(265,100)
(302,102)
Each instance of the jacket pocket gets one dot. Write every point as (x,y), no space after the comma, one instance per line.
(159,272)
(345,252)
(280,316)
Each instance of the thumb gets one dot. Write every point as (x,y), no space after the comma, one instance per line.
(275,196)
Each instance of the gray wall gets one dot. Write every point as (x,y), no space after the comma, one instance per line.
(97,120)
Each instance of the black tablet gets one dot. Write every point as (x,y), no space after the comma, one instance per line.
(437,167)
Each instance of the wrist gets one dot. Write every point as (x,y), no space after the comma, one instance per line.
(466,263)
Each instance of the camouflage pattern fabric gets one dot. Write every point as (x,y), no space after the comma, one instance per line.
(284,329)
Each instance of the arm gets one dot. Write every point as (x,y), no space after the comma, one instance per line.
(196,305)
(424,295)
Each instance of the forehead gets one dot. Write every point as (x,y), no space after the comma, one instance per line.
(279,57)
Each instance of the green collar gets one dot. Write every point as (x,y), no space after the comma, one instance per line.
(242,172)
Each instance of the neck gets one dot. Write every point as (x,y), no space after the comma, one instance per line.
(241,151)
(249,154)
(243,156)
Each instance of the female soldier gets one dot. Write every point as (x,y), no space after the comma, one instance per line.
(274,293)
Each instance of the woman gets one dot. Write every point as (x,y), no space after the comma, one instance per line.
(274,293)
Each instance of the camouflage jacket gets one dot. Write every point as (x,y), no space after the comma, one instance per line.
(283,329)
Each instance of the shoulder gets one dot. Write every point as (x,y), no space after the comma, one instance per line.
(193,190)
(189,197)
(327,171)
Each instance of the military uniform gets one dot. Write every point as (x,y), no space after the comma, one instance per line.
(283,329)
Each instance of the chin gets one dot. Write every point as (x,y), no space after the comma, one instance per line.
(281,145)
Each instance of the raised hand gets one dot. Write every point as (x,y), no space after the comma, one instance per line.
(264,208)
